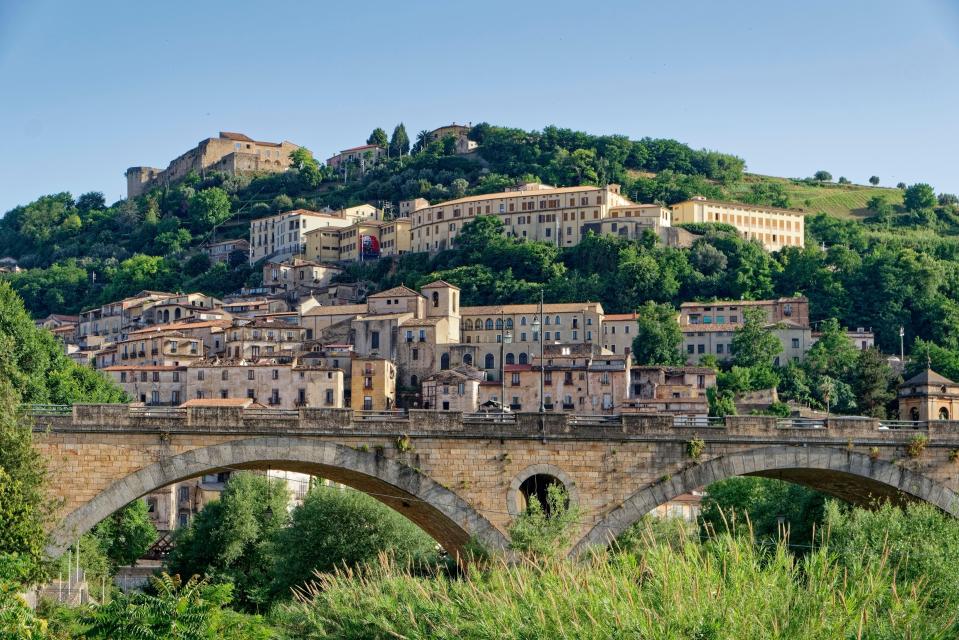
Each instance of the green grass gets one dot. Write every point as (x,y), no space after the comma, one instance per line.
(842,201)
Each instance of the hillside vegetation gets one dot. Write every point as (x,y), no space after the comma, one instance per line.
(839,200)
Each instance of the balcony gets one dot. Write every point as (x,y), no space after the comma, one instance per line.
(274,401)
(568,406)
(515,407)
(549,406)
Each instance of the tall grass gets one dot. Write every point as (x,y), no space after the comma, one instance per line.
(726,588)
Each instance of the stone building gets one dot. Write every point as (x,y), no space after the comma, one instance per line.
(159,347)
(252,339)
(363,157)
(675,390)
(221,251)
(774,228)
(928,396)
(453,390)
(149,384)
(231,153)
(297,275)
(279,383)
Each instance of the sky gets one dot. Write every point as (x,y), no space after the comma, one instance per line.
(858,87)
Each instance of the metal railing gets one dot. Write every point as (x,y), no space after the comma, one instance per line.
(50,409)
(368,415)
(903,424)
(602,420)
(698,421)
(801,423)
(497,417)
(170,413)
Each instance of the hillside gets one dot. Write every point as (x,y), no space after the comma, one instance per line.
(840,200)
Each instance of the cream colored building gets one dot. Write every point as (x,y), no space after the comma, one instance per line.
(232,153)
(363,156)
(254,339)
(297,273)
(532,211)
(284,235)
(155,385)
(160,347)
(675,390)
(453,390)
(773,228)
(280,383)
(380,239)
(211,333)
(928,396)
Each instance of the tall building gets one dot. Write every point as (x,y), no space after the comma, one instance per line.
(232,153)
(774,228)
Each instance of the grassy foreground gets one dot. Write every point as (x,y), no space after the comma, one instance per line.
(727,588)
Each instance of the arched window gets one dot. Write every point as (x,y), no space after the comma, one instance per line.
(944,414)
(557,320)
(489,323)
(510,358)
(509,323)
(522,321)
(546,319)
(499,324)
(176,315)
(490,363)
(914,414)
(468,325)
(445,361)
(523,358)
(468,359)
(436,299)
(166,315)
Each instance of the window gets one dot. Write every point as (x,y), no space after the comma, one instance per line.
(795,343)
(489,323)
(183,494)
(224,394)
(445,361)
(700,348)
(514,379)
(490,362)
(510,358)
(547,377)
(225,375)
(367,403)
(155,397)
(276,374)
(719,348)
(523,358)
(250,374)
(123,376)
(416,354)
(374,339)
(329,396)
(690,348)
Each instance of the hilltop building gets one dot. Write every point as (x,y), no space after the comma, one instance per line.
(774,228)
(459,133)
(286,235)
(231,153)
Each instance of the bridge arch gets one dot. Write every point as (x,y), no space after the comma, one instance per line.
(848,475)
(445,516)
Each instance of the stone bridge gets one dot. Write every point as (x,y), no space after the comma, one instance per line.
(463,476)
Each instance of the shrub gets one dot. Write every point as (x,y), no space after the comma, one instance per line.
(917,444)
(695,448)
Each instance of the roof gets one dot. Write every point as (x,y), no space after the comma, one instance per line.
(615,317)
(234,241)
(742,303)
(927,377)
(436,284)
(560,307)
(741,205)
(422,322)
(145,367)
(179,326)
(230,135)
(337,310)
(401,290)
(360,148)
(518,194)
(62,318)
(671,369)
(239,403)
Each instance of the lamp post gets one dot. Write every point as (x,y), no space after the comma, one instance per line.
(506,337)
(537,329)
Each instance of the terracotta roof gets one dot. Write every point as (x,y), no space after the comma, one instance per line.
(549,191)
(438,284)
(742,205)
(560,307)
(338,310)
(927,377)
(422,322)
(360,148)
(145,367)
(401,290)
(178,326)
(621,316)
(230,135)
(741,303)
(62,318)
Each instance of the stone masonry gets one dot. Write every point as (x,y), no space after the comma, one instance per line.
(458,476)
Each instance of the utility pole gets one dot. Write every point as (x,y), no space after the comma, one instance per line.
(902,346)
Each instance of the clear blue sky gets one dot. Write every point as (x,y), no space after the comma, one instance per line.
(854,87)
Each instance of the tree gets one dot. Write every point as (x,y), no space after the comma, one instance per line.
(721,403)
(874,180)
(823,176)
(543,531)
(833,354)
(282,202)
(209,207)
(754,344)
(901,186)
(873,383)
(400,141)
(948,200)
(303,161)
(378,137)
(764,502)
(127,534)
(843,180)
(422,141)
(918,197)
(228,540)
(658,336)
(340,528)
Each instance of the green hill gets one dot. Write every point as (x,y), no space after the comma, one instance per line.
(840,200)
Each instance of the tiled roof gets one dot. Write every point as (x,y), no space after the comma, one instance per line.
(742,205)
(401,290)
(614,317)
(518,194)
(927,377)
(559,307)
(439,283)
(145,367)
(741,303)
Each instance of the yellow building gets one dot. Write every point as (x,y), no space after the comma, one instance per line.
(532,211)
(232,153)
(373,384)
(284,235)
(282,383)
(773,228)
(928,396)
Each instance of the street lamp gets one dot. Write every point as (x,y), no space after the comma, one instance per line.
(506,337)
(537,328)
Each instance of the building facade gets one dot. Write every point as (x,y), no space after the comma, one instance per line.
(772,227)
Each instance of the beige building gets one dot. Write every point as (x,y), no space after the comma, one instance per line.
(284,235)
(373,386)
(363,157)
(280,383)
(253,339)
(773,228)
(453,390)
(211,333)
(459,133)
(297,274)
(675,390)
(155,385)
(619,330)
(928,396)
(232,153)
(160,347)
(221,251)
(532,211)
